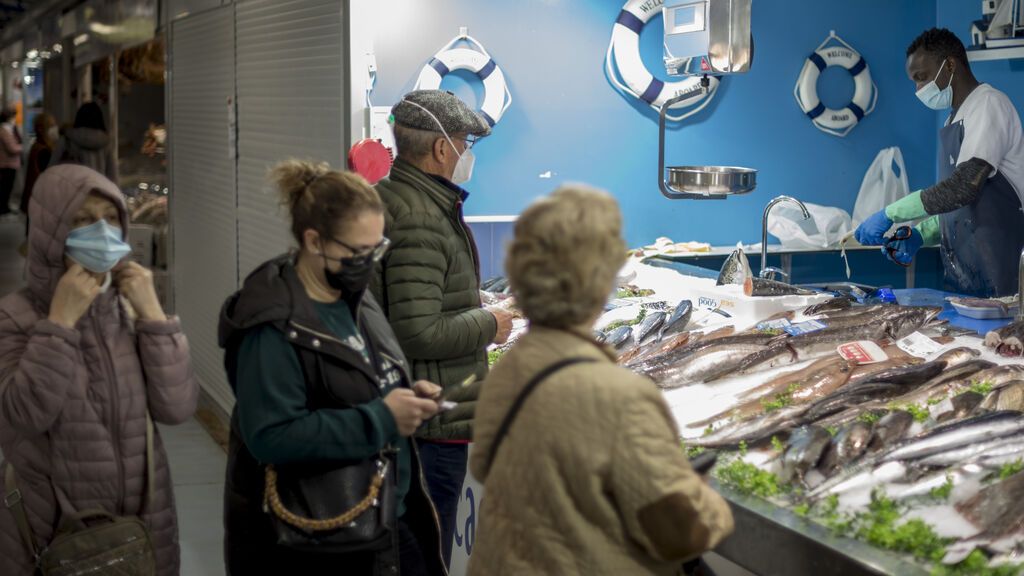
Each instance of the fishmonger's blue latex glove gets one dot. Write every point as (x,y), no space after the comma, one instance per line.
(872,231)
(902,251)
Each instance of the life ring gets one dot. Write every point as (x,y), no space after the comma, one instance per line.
(865,95)
(497,97)
(624,55)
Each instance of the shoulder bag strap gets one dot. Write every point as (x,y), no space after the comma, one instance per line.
(14,503)
(147,500)
(510,416)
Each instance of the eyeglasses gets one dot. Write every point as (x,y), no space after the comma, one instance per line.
(373,254)
(470,140)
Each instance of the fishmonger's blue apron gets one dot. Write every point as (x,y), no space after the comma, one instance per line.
(981,242)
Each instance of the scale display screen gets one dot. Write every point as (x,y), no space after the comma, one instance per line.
(686,18)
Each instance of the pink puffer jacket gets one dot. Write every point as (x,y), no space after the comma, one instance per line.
(73,402)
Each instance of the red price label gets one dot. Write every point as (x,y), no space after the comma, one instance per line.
(863,352)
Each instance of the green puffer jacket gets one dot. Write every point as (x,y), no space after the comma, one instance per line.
(429,286)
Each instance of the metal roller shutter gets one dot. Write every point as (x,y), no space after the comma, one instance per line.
(203,190)
(291,103)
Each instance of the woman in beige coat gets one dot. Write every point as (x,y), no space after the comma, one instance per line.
(591,478)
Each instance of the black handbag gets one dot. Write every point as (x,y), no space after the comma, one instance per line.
(332,507)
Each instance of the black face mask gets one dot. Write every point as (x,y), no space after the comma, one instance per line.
(353,278)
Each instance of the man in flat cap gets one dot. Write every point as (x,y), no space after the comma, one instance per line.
(429,281)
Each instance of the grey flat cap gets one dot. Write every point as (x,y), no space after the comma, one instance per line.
(453,114)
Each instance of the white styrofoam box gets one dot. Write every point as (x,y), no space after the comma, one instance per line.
(749,310)
(140,237)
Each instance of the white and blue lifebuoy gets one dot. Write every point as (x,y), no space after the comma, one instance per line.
(497,97)
(865,94)
(624,56)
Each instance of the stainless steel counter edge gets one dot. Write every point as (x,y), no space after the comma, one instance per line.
(770,540)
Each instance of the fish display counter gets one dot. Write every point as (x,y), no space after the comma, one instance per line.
(875,437)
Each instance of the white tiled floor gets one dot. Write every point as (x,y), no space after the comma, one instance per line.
(197,469)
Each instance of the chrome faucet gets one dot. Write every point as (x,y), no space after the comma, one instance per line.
(1020,287)
(766,271)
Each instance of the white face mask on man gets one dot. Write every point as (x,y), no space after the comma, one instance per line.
(464,167)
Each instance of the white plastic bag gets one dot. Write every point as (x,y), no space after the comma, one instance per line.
(884,183)
(824,229)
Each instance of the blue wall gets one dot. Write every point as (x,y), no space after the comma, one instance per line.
(567,119)
(1006,75)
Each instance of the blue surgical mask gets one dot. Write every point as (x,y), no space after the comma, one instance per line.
(934,97)
(98,247)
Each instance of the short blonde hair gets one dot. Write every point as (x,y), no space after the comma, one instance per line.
(566,252)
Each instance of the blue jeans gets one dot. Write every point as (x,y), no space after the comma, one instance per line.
(444,466)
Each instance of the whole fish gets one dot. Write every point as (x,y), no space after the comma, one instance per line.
(908,319)
(949,383)
(1011,396)
(973,451)
(828,306)
(865,474)
(960,406)
(997,509)
(677,321)
(890,429)
(998,376)
(801,348)
(638,355)
(754,286)
(698,365)
(815,381)
(924,486)
(751,430)
(803,452)
(735,270)
(855,311)
(912,375)
(976,429)
(648,327)
(668,361)
(849,444)
(850,396)
(958,356)
(619,337)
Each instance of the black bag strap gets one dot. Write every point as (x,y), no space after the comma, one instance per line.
(510,416)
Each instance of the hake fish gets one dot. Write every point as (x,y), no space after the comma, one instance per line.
(805,386)
(751,430)
(698,365)
(735,270)
(832,305)
(801,348)
(754,286)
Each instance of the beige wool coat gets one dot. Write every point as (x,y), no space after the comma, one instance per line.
(592,478)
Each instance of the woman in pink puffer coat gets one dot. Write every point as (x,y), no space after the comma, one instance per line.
(78,371)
